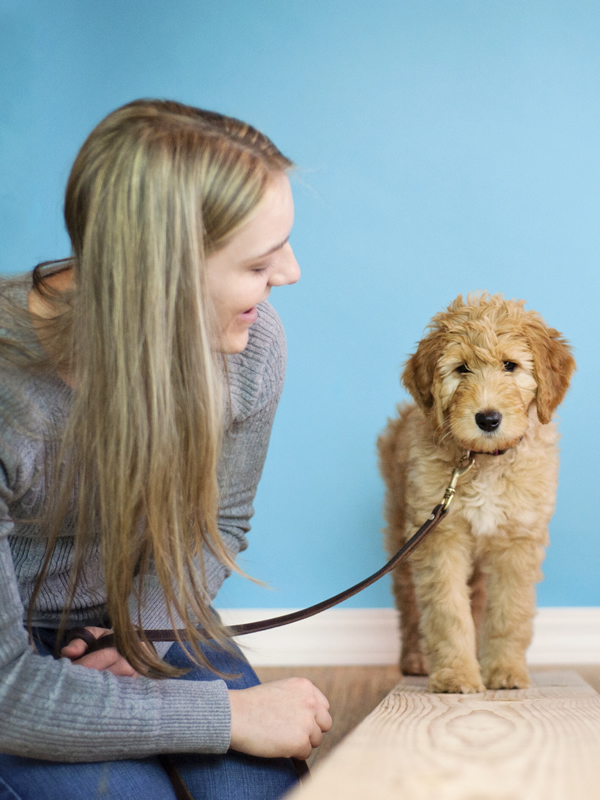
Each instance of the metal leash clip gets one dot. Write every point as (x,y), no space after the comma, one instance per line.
(464,465)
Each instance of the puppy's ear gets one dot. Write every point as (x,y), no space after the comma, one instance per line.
(553,365)
(419,371)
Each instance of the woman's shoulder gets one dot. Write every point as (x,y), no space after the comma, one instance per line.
(13,299)
(13,302)
(256,374)
(30,395)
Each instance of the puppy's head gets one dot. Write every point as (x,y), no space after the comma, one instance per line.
(482,366)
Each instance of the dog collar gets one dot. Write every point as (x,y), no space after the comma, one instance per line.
(495,452)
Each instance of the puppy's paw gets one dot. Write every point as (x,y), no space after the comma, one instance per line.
(413,664)
(506,676)
(455,681)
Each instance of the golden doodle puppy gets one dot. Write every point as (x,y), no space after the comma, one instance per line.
(487,378)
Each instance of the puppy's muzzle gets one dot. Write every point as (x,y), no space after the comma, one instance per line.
(488,420)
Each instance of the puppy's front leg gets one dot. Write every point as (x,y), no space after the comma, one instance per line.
(441,569)
(513,567)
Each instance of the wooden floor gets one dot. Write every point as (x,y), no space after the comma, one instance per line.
(539,743)
(353,692)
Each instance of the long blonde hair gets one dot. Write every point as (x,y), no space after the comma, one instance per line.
(156,187)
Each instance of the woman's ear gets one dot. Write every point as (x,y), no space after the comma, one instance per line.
(553,365)
(419,371)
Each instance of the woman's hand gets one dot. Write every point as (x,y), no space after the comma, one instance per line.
(108,659)
(279,719)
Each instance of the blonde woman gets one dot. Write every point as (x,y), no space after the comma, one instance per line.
(138,384)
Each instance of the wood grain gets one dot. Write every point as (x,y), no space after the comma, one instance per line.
(541,743)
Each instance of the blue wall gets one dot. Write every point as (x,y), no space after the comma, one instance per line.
(443,146)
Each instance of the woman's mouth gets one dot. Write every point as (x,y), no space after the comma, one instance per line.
(249,316)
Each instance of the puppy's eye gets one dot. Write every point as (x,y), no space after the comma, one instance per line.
(509,366)
(463,369)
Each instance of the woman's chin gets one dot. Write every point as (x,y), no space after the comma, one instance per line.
(232,342)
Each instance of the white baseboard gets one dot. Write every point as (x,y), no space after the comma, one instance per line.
(370,636)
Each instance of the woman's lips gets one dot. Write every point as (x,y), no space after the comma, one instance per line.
(249,316)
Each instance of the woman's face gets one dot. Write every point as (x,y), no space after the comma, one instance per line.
(258,256)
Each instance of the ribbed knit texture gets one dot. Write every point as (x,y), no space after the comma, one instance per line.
(59,711)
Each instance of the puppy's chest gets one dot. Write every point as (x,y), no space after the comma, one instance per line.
(488,504)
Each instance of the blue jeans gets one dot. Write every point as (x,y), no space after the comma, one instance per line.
(231,776)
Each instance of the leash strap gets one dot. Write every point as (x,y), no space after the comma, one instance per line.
(179,787)
(170,635)
(286,619)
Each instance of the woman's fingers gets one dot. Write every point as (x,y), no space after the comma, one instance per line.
(77,647)
(323,718)
(107,659)
(316,737)
(323,704)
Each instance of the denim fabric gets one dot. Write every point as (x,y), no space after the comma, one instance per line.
(232,776)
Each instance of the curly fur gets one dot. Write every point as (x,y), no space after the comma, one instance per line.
(468,590)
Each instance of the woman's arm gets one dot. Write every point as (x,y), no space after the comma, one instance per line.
(277,719)
(56,710)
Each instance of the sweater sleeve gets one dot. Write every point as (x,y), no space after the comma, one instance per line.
(53,709)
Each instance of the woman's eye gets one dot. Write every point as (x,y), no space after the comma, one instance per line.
(463,369)
(509,366)
(258,268)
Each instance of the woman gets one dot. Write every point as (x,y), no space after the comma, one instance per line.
(139,380)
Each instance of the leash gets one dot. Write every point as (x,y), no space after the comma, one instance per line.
(169,635)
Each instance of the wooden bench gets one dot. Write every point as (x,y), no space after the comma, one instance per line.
(541,743)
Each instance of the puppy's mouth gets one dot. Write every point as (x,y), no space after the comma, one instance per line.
(488,431)
(492,440)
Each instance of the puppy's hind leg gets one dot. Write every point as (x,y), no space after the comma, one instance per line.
(412,660)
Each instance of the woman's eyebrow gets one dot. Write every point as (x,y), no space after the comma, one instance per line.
(268,253)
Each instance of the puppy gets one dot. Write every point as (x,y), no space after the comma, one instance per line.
(486,378)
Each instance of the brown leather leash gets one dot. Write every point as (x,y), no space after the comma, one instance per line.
(170,635)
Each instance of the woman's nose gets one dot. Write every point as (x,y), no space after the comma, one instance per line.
(287,270)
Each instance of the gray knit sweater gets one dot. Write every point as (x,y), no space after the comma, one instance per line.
(53,709)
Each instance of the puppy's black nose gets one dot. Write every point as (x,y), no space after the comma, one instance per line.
(488,420)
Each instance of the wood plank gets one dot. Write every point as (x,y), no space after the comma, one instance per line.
(541,743)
